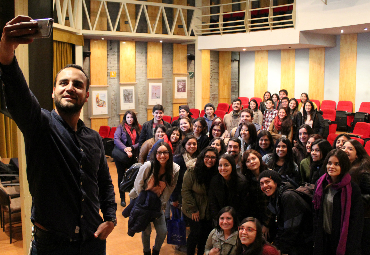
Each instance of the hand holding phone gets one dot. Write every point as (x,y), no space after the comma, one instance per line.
(45,27)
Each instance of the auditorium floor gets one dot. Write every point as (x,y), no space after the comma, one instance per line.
(118,241)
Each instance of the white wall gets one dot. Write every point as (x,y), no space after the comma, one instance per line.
(246,74)
(363,70)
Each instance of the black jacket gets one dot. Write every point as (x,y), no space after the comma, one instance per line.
(202,142)
(293,219)
(142,210)
(219,196)
(176,194)
(355,223)
(147,131)
(318,125)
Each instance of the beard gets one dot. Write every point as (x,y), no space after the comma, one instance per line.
(68,108)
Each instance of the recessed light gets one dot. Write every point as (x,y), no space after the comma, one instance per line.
(123,42)
(341,31)
(244,49)
(365,29)
(160,41)
(102,38)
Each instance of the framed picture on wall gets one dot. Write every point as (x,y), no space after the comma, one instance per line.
(181,87)
(127,97)
(99,101)
(155,93)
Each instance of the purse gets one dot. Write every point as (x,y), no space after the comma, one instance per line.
(129,178)
(176,228)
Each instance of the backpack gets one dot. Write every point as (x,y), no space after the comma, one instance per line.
(129,178)
(306,192)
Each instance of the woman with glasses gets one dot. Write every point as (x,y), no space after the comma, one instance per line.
(219,122)
(200,129)
(195,204)
(158,175)
(223,240)
(251,239)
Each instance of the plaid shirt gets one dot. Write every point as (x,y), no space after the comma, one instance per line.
(268,117)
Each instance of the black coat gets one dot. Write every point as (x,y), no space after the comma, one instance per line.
(147,131)
(176,194)
(318,125)
(202,142)
(356,221)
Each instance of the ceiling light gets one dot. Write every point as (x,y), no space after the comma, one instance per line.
(123,42)
(244,49)
(160,41)
(341,31)
(365,29)
(102,38)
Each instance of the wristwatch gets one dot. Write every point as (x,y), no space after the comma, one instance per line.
(114,220)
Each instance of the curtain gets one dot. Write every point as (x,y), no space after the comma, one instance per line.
(8,137)
(62,56)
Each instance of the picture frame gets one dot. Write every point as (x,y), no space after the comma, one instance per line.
(127,97)
(181,87)
(99,102)
(155,93)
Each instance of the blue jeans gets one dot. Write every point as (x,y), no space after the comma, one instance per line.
(88,247)
(160,228)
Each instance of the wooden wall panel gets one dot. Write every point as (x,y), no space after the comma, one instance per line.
(175,109)
(206,76)
(177,30)
(348,65)
(131,11)
(316,73)
(180,59)
(288,71)
(260,73)
(98,62)
(224,77)
(154,56)
(227,8)
(152,13)
(97,122)
(102,21)
(127,62)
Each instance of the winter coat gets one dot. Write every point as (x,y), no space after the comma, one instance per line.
(202,141)
(144,151)
(216,239)
(318,125)
(123,140)
(231,120)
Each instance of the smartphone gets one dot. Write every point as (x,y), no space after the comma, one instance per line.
(45,27)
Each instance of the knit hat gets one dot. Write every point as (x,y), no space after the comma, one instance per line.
(275,176)
(186,108)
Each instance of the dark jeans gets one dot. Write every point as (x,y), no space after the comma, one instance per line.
(123,162)
(49,244)
(199,231)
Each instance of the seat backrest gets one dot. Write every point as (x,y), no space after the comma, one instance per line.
(220,113)
(175,118)
(359,139)
(223,107)
(331,138)
(167,118)
(329,114)
(111,133)
(365,107)
(362,129)
(317,102)
(104,131)
(346,106)
(298,100)
(245,101)
(202,112)
(4,196)
(195,113)
(328,104)
(367,148)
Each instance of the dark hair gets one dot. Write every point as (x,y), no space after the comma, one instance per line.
(190,124)
(222,143)
(169,133)
(286,123)
(361,163)
(236,140)
(312,112)
(339,136)
(156,166)
(265,94)
(181,148)
(283,90)
(308,129)
(75,67)
(158,107)
(300,146)
(221,125)
(164,129)
(344,162)
(237,100)
(325,148)
(232,211)
(204,175)
(209,105)
(233,181)
(269,99)
(254,101)
(295,110)
(306,96)
(288,167)
(277,96)
(204,125)
(285,98)
(262,134)
(256,247)
(135,123)
(252,141)
(249,175)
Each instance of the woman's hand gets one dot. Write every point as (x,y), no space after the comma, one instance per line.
(195,216)
(175,204)
(214,251)
(128,149)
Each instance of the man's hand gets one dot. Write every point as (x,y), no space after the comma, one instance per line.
(195,216)
(104,230)
(13,35)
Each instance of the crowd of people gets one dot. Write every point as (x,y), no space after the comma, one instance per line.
(249,167)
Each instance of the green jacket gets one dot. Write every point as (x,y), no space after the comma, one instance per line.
(304,168)
(194,196)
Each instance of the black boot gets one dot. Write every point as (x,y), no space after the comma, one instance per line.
(123,201)
(147,253)
(155,252)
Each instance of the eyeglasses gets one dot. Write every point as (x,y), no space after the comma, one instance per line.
(165,153)
(248,229)
(210,157)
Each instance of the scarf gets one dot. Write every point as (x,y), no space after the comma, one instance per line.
(132,133)
(166,140)
(277,123)
(189,161)
(345,185)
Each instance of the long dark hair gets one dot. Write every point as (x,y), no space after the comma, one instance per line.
(252,141)
(339,136)
(254,101)
(233,214)
(312,112)
(265,94)
(300,147)
(344,162)
(325,148)
(286,123)
(232,183)
(202,173)
(262,134)
(222,143)
(181,148)
(161,126)
(135,123)
(169,133)
(156,166)
(295,110)
(203,123)
(247,173)
(288,166)
(361,163)
(221,125)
